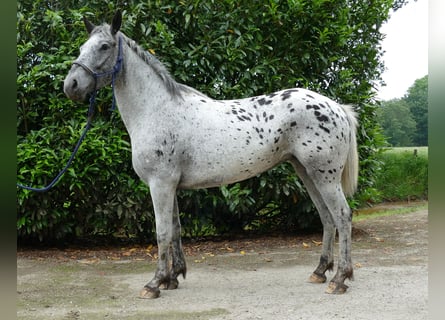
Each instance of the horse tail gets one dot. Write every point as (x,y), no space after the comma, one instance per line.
(350,171)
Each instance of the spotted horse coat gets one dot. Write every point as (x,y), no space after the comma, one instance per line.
(183,139)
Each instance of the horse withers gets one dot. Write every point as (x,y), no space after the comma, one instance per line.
(181,138)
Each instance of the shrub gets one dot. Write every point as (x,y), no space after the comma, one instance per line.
(227,49)
(404,175)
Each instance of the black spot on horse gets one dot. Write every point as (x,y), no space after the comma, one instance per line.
(271,117)
(271,95)
(322,118)
(293,123)
(159,153)
(234,112)
(324,128)
(312,106)
(287,94)
(263,101)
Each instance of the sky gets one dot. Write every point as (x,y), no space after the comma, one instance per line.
(406,49)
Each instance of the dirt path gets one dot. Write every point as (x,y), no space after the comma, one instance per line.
(238,280)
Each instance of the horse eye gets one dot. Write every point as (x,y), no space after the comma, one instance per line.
(105,47)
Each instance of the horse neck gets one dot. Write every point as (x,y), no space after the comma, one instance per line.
(138,89)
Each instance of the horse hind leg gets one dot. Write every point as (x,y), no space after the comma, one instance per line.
(327,256)
(326,259)
(334,199)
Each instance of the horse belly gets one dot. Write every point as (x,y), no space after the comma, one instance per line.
(228,167)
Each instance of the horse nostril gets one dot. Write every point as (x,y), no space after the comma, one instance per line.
(74,86)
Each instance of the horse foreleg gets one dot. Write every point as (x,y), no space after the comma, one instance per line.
(178,260)
(163,198)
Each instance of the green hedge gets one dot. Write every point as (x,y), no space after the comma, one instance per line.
(403,175)
(227,49)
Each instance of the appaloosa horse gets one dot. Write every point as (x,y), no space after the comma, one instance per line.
(181,138)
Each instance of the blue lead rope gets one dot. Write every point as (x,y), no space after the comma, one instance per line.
(113,72)
(73,154)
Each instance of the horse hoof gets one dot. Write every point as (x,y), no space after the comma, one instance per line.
(316,278)
(150,293)
(335,288)
(173,284)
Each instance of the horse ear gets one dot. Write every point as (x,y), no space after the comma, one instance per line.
(117,21)
(90,26)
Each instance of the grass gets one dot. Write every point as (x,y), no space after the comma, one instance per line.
(404,174)
(421,151)
(388,210)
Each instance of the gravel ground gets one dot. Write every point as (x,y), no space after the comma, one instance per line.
(258,279)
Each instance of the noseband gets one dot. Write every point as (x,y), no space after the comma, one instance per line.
(113,72)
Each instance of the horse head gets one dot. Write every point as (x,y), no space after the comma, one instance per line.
(98,62)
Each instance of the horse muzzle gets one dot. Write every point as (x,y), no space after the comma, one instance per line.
(77,87)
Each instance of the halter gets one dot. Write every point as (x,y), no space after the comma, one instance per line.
(96,75)
(113,72)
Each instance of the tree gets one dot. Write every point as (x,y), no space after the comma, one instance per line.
(397,122)
(405,121)
(417,101)
(227,49)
